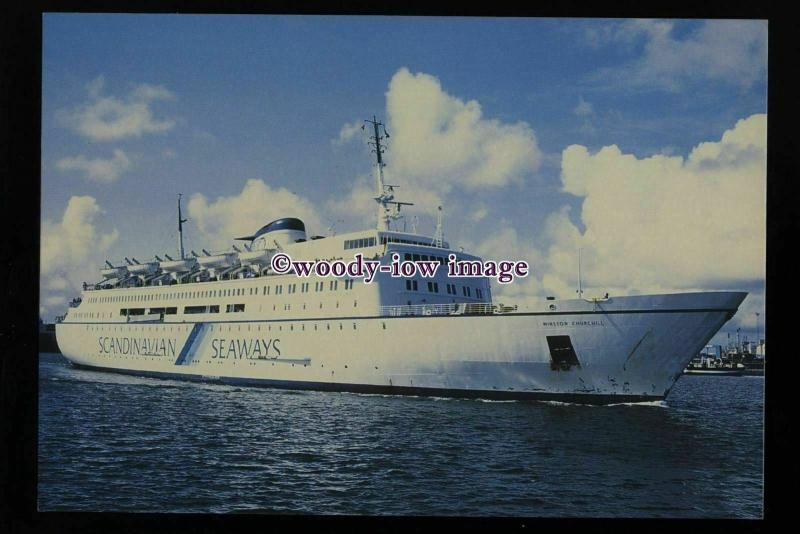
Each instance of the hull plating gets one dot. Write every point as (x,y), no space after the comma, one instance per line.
(632,351)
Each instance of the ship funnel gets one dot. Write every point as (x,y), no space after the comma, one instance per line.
(283,232)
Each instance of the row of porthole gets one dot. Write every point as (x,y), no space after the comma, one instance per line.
(220,362)
(286,307)
(239,328)
(211,293)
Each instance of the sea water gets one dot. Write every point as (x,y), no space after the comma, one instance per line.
(110,442)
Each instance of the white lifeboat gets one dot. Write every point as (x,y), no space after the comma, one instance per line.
(218,261)
(141,269)
(114,272)
(178,266)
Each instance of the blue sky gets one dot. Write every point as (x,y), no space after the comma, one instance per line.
(205,103)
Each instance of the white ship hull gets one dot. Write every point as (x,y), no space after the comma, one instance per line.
(628,349)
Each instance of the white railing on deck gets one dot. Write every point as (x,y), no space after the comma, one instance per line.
(460,308)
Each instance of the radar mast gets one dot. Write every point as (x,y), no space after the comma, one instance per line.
(388,208)
(180,228)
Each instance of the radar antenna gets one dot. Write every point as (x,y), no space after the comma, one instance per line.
(388,208)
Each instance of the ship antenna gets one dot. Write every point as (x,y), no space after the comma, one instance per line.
(180,228)
(385,193)
(580,284)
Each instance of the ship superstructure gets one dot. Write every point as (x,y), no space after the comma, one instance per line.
(226,316)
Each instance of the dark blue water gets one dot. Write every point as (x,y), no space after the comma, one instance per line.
(117,443)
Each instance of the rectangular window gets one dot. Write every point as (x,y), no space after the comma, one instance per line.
(214,308)
(172,311)
(234,308)
(194,309)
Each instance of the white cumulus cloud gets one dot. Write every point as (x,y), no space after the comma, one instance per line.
(98,169)
(71,251)
(438,142)
(348,132)
(109,118)
(732,51)
(653,225)
(665,221)
(221,220)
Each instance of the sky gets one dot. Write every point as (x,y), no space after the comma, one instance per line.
(641,143)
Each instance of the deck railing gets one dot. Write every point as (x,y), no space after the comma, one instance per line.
(459,308)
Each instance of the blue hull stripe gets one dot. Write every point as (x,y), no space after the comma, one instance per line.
(183,357)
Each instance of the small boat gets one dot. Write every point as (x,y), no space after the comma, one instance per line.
(178,266)
(707,364)
(142,269)
(114,272)
(218,261)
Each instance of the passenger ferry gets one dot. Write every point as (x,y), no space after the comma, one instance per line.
(228,317)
